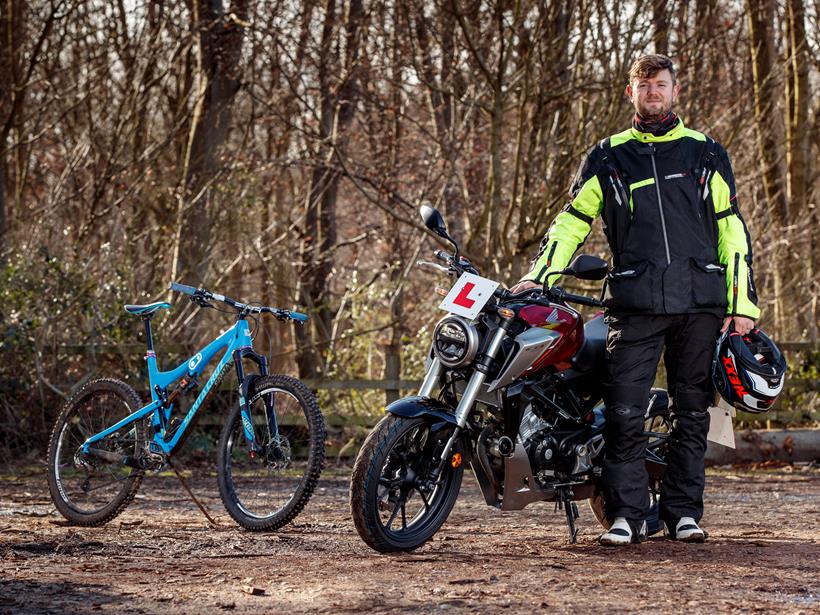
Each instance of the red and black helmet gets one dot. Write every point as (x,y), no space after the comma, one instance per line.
(748,370)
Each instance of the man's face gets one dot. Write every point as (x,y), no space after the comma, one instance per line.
(654,96)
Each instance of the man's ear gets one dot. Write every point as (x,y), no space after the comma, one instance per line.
(675,91)
(628,91)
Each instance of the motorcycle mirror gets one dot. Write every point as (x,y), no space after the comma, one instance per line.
(433,220)
(587,267)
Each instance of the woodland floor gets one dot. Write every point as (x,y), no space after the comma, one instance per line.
(161,556)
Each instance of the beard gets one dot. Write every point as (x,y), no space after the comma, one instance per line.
(655,112)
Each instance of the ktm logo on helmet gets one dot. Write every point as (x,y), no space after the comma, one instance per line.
(734,379)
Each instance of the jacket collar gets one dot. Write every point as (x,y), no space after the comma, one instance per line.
(647,137)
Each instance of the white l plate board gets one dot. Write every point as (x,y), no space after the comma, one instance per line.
(468,295)
(720,425)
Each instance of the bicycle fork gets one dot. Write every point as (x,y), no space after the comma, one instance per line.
(244,401)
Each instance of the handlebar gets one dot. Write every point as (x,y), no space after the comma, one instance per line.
(201,297)
(559,294)
(553,294)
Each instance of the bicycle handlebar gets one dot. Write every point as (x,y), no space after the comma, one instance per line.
(200,295)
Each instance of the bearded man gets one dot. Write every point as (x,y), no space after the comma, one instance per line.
(682,272)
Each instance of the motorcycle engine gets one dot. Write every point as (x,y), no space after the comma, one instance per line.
(556,453)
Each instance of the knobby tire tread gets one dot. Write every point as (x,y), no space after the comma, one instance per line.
(316,424)
(124,498)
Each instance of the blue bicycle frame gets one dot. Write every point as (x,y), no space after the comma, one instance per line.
(238,344)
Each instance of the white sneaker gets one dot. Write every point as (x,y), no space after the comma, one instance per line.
(687,530)
(621,533)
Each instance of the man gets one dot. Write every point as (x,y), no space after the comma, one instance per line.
(681,263)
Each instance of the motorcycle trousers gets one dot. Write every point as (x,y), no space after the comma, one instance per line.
(634,347)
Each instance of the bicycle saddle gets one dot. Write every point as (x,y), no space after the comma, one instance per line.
(150,308)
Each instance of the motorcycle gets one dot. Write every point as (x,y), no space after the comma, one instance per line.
(512,388)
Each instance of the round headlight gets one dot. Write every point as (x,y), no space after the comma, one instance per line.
(455,341)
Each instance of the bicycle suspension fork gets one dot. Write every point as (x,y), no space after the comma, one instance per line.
(245,383)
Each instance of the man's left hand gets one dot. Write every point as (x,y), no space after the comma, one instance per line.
(742,324)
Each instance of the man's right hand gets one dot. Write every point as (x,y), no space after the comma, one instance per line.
(524,285)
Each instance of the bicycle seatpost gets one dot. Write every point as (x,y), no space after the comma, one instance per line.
(149,338)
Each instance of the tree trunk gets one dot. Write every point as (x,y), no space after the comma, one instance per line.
(760,15)
(218,55)
(798,160)
(12,93)
(337,107)
(660,26)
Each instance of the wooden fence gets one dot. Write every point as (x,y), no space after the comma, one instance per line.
(395,388)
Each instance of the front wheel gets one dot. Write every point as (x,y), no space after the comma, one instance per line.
(394,504)
(266,488)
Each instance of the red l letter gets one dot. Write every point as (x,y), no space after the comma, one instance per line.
(463,298)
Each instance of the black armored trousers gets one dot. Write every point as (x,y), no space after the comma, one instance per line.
(634,347)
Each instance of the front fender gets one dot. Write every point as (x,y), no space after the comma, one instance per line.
(418,406)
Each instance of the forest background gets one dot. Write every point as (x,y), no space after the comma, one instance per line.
(278,151)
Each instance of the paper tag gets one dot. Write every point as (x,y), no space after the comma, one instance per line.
(720,424)
(469,294)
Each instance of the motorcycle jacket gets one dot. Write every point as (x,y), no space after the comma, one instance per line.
(669,208)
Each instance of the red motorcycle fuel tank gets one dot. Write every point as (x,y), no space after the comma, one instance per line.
(564,321)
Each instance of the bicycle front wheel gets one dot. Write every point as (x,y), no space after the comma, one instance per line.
(91,489)
(265,489)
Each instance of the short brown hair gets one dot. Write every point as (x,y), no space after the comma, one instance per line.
(650,65)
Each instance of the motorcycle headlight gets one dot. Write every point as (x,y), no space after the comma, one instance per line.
(455,341)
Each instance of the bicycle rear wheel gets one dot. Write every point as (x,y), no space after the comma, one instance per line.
(85,488)
(267,489)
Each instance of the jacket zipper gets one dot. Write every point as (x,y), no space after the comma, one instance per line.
(660,204)
(735,283)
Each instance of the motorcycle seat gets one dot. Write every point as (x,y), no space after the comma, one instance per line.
(591,353)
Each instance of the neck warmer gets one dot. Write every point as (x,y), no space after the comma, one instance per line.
(658,126)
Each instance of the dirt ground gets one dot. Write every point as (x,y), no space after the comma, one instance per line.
(161,556)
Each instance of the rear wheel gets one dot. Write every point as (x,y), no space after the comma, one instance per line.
(265,489)
(394,504)
(86,488)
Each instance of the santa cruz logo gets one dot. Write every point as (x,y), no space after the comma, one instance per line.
(247,425)
(195,361)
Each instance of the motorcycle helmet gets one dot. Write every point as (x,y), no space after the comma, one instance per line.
(748,370)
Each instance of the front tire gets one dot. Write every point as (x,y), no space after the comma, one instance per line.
(86,489)
(393,509)
(266,490)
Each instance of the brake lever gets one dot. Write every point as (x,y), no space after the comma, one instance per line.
(200,301)
(435,266)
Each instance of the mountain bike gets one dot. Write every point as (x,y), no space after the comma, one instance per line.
(270,453)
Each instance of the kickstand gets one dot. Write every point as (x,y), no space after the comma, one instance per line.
(201,506)
(570,510)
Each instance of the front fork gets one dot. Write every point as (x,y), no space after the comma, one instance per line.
(244,402)
(467,400)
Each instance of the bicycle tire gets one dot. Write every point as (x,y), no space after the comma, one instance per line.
(236,469)
(78,420)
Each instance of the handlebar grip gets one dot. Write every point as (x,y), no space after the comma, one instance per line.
(298,316)
(582,300)
(182,288)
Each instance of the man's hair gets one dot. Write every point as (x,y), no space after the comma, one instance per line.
(650,65)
